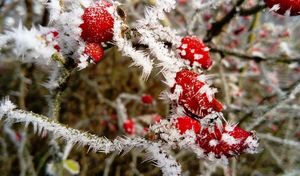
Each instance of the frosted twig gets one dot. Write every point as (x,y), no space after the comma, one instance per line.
(290,97)
(269,137)
(139,58)
(40,123)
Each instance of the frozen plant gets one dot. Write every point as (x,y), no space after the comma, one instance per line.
(80,33)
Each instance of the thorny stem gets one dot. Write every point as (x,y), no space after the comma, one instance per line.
(41,123)
(64,75)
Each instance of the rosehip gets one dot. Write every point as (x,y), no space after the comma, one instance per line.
(129,126)
(283,6)
(228,141)
(195,51)
(147,99)
(196,97)
(95,51)
(97,23)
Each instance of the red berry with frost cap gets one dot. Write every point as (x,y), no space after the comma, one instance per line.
(129,126)
(195,51)
(289,7)
(97,23)
(94,51)
(228,141)
(195,95)
(147,99)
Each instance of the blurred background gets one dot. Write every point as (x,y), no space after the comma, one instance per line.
(256,69)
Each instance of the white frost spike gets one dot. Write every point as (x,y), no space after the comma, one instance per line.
(168,60)
(83,61)
(30,45)
(230,140)
(275,7)
(52,82)
(210,92)
(54,8)
(139,58)
(5,107)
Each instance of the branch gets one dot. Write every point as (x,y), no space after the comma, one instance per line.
(252,10)
(287,99)
(245,56)
(269,137)
(217,27)
(154,151)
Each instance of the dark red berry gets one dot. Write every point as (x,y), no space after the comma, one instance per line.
(129,126)
(147,99)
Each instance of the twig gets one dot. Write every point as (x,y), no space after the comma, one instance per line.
(217,27)
(269,137)
(242,55)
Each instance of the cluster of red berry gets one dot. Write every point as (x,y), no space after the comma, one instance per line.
(197,100)
(224,141)
(97,27)
(195,96)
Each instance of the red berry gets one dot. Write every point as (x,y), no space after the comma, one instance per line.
(129,126)
(195,51)
(227,141)
(147,99)
(283,6)
(95,51)
(97,23)
(193,97)
(187,123)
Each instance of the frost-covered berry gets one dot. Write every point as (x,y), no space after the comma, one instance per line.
(187,123)
(147,99)
(97,23)
(228,141)
(94,51)
(129,126)
(195,95)
(288,7)
(195,51)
